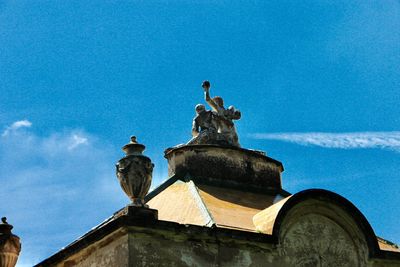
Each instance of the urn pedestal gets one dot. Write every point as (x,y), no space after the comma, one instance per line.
(10,245)
(134,172)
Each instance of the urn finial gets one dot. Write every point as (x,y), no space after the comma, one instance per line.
(10,245)
(134,172)
(5,228)
(133,147)
(133,139)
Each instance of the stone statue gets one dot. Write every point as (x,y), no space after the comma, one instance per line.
(134,172)
(223,117)
(204,129)
(214,126)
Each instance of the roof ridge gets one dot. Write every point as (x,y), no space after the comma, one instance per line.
(202,206)
(161,187)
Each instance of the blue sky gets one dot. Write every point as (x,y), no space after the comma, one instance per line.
(317,83)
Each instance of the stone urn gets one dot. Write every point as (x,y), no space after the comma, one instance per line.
(134,172)
(10,246)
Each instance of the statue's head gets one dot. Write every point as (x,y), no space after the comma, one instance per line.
(206,84)
(200,108)
(219,101)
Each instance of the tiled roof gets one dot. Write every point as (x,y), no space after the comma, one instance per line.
(387,245)
(188,203)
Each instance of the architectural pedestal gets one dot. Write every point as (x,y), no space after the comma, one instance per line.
(228,166)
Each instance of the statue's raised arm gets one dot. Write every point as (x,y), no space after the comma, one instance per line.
(206,86)
(222,117)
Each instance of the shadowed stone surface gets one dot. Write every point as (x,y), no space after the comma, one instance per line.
(226,167)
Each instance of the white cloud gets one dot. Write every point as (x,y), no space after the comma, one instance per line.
(46,177)
(77,140)
(384,140)
(15,126)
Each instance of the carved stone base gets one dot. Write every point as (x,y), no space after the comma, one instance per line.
(226,166)
(140,213)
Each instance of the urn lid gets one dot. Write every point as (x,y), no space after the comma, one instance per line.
(133,148)
(5,228)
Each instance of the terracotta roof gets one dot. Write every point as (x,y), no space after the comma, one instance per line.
(264,221)
(205,205)
(387,245)
(232,208)
(181,203)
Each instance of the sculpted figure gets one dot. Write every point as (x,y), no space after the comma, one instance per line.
(223,117)
(204,128)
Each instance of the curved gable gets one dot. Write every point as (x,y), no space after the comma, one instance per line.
(318,204)
(326,196)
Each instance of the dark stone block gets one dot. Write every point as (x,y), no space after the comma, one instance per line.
(226,166)
(140,214)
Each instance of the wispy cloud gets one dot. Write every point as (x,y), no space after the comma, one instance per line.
(352,140)
(77,140)
(15,126)
(61,176)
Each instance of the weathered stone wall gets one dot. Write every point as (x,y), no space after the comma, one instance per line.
(312,240)
(316,240)
(110,251)
(179,250)
(384,263)
(319,233)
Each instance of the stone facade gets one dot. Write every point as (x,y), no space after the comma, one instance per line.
(311,228)
(239,216)
(141,247)
(112,250)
